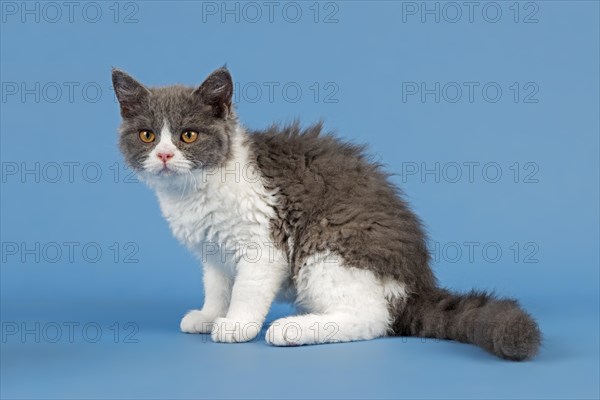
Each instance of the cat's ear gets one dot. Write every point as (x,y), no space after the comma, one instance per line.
(130,93)
(216,91)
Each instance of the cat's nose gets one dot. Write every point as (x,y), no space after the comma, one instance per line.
(165,156)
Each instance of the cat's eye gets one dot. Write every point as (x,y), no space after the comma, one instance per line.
(189,136)
(147,136)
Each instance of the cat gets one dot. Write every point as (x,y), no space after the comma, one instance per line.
(296,215)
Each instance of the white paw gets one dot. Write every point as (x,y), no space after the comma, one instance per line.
(285,333)
(196,321)
(226,330)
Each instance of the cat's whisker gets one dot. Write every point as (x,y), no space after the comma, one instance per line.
(195,181)
(184,187)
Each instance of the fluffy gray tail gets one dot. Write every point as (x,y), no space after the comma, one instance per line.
(500,326)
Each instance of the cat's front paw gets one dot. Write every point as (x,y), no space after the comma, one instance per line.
(196,321)
(226,330)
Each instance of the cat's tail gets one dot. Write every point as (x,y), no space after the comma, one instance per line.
(500,326)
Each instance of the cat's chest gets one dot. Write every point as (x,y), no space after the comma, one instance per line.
(226,216)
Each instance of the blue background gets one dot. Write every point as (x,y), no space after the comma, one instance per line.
(551,211)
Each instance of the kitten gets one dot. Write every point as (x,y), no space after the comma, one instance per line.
(299,216)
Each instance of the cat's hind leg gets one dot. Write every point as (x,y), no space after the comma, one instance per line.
(342,304)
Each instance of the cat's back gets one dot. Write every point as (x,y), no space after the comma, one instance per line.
(288,156)
(320,170)
(333,196)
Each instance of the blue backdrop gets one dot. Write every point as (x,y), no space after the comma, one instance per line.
(487,113)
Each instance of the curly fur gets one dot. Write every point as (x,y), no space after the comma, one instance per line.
(317,197)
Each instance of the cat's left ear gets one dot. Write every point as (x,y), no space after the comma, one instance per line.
(216,91)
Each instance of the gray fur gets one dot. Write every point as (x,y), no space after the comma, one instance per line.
(331,197)
(499,326)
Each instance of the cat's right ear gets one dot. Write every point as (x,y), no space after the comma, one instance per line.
(130,93)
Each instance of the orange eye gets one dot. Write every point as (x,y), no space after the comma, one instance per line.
(147,136)
(189,136)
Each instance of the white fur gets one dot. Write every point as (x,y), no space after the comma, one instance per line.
(343,303)
(223,216)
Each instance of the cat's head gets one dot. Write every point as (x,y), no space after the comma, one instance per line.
(171,131)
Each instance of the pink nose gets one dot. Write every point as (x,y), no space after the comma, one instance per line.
(165,156)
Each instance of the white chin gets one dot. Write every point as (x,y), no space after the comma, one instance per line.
(168,177)
(170,171)
(166,172)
